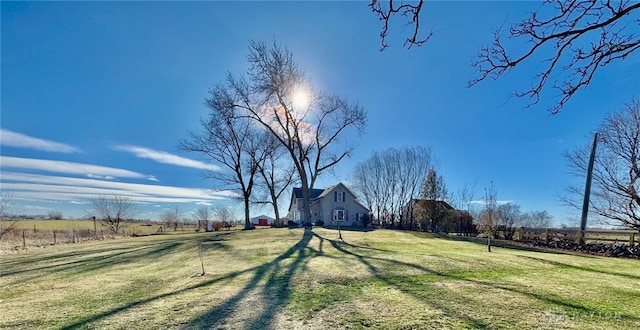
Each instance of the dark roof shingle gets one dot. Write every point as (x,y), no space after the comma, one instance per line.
(314,193)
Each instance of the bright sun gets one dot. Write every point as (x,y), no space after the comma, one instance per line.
(300,99)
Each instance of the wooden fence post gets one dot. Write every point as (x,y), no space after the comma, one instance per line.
(54,237)
(24,241)
(546,235)
(632,239)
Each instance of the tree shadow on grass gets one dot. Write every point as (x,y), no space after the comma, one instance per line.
(400,283)
(92,259)
(582,268)
(347,229)
(92,262)
(277,275)
(85,321)
(30,260)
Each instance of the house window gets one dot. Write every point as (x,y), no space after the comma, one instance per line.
(338,215)
(339,196)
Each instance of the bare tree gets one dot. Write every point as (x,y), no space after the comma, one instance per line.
(580,36)
(311,131)
(536,219)
(413,164)
(6,204)
(202,217)
(366,182)
(113,211)
(390,179)
(615,196)
(224,215)
(489,215)
(277,173)
(465,195)
(509,218)
(409,10)
(370,181)
(230,140)
(391,190)
(55,215)
(171,218)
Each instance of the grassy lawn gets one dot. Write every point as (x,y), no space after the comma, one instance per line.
(285,279)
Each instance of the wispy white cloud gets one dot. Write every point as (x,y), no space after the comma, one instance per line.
(100,177)
(35,208)
(499,202)
(19,140)
(204,203)
(56,166)
(58,188)
(165,157)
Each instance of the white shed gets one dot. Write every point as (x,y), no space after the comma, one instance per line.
(262,220)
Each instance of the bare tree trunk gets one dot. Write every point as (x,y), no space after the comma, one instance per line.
(247,218)
(276,211)
(306,208)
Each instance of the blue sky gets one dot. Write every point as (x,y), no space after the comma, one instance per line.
(96,96)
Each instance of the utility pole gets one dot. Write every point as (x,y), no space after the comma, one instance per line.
(587,190)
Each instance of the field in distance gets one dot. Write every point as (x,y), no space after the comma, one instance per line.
(148,226)
(292,278)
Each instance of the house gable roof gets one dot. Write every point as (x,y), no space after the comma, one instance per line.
(340,184)
(314,193)
(317,194)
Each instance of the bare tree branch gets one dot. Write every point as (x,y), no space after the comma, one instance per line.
(583,36)
(171,218)
(231,141)
(410,10)
(6,203)
(202,216)
(277,174)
